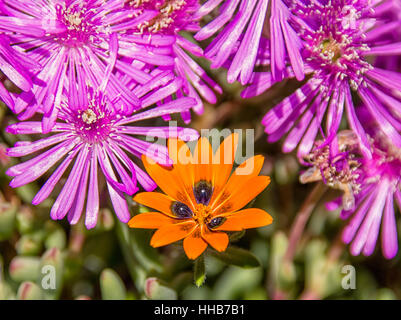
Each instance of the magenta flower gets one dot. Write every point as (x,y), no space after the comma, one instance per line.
(338,36)
(336,163)
(94,138)
(389,13)
(374,207)
(172,20)
(369,186)
(14,65)
(77,39)
(241,42)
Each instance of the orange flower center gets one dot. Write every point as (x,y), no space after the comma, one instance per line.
(201,214)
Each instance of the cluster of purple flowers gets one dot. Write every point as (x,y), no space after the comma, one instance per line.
(89,70)
(345,56)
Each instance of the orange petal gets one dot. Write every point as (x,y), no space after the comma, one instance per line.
(223,161)
(246,219)
(172,233)
(183,168)
(203,159)
(179,152)
(166,179)
(150,220)
(194,245)
(240,178)
(249,168)
(218,240)
(241,195)
(156,200)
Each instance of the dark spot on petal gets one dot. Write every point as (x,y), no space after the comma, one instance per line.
(224,208)
(203,191)
(181,197)
(181,210)
(186,227)
(216,222)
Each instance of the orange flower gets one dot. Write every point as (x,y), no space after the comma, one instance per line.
(201,200)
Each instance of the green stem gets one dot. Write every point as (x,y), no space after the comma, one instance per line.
(199,271)
(301,219)
(137,272)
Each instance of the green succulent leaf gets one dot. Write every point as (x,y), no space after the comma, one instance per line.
(157,290)
(29,291)
(237,257)
(111,286)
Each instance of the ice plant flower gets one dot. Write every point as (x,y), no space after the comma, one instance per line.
(14,66)
(172,20)
(338,37)
(337,164)
(243,41)
(370,186)
(389,13)
(201,200)
(380,186)
(76,39)
(100,143)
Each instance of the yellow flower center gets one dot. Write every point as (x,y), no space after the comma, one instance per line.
(331,50)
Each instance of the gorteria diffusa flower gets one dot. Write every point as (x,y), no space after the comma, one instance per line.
(76,39)
(201,200)
(91,134)
(240,43)
(171,19)
(338,36)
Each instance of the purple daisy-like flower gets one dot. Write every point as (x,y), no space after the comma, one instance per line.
(90,134)
(249,34)
(77,39)
(338,36)
(380,187)
(14,65)
(370,185)
(389,13)
(337,164)
(171,19)
(375,204)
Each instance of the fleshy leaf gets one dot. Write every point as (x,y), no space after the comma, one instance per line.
(237,257)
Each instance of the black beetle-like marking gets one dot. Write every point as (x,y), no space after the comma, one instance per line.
(203,191)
